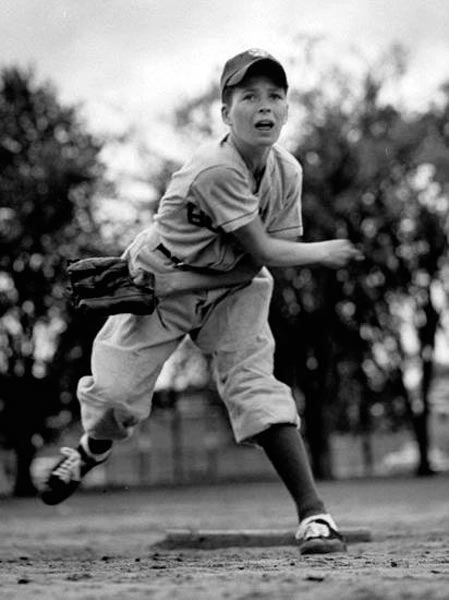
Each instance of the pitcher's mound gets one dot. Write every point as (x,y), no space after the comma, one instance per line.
(210,538)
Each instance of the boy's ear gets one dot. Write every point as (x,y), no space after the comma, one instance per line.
(225,114)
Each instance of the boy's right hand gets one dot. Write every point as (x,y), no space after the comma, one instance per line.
(338,253)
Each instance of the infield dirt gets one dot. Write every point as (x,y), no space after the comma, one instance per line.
(102,545)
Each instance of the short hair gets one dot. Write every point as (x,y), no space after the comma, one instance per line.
(227,94)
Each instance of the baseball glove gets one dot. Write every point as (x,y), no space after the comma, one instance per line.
(103,286)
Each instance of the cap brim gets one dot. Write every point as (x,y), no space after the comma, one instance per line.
(240,75)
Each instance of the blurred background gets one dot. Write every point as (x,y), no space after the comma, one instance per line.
(101,101)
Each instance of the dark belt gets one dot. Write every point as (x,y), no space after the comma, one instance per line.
(180,264)
(166,252)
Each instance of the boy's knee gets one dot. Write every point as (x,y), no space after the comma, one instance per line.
(109,392)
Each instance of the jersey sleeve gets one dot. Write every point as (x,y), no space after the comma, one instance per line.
(287,223)
(223,193)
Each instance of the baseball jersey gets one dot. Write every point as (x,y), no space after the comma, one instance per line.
(215,193)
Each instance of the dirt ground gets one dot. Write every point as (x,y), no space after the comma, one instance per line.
(101,545)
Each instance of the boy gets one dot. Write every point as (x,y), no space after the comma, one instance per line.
(233,208)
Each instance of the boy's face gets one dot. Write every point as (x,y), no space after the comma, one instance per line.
(257,111)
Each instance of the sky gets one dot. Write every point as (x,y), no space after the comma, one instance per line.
(135,60)
(129,63)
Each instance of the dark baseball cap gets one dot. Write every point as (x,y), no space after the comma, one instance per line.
(238,66)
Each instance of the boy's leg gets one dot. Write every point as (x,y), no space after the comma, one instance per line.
(261,408)
(285,448)
(127,357)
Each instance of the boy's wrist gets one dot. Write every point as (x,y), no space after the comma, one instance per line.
(321,252)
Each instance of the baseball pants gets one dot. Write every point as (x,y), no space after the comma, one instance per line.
(228,324)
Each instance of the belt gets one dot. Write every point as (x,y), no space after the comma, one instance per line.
(182,266)
(166,252)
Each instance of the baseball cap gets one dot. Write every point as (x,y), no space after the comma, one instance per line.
(237,67)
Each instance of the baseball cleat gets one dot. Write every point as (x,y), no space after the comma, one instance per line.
(66,476)
(318,534)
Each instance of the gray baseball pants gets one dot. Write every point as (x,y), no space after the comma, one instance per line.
(228,324)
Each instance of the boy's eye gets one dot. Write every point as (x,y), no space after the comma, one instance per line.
(248,96)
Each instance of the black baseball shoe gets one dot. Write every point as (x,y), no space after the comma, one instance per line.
(67,474)
(318,534)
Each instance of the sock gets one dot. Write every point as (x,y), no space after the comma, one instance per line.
(98,449)
(284,446)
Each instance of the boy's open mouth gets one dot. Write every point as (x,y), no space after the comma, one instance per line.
(264,125)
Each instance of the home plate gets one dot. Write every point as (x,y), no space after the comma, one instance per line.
(226,538)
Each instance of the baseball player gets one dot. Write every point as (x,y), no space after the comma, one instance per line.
(234,207)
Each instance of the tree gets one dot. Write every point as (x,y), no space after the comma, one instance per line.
(50,174)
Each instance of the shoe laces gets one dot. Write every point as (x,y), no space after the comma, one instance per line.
(70,468)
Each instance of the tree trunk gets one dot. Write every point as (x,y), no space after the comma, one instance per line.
(319,397)
(421,428)
(25,396)
(365,427)
(427,333)
(317,435)
(25,452)
(419,422)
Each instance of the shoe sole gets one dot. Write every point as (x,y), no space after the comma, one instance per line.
(52,496)
(322,546)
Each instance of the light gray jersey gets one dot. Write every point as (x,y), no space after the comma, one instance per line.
(215,193)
